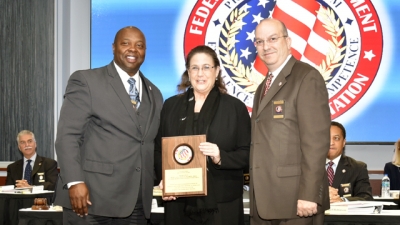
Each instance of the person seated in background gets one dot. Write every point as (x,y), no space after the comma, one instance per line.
(32,169)
(392,169)
(348,178)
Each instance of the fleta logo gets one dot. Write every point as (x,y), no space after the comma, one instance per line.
(341,39)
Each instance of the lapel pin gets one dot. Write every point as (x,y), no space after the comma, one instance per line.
(40,164)
(150,88)
(280,84)
(343,171)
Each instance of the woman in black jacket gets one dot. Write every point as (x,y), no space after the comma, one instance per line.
(204,107)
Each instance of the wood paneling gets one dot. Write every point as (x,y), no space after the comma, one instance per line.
(26,75)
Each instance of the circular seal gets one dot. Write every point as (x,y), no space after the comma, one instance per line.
(342,39)
(278,109)
(183,154)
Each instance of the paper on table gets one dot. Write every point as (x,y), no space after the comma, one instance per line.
(356,207)
(6,188)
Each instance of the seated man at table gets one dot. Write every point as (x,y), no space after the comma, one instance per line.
(348,178)
(32,169)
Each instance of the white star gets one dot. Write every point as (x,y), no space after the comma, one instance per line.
(263,3)
(241,24)
(251,36)
(270,13)
(257,19)
(245,53)
(369,55)
(244,8)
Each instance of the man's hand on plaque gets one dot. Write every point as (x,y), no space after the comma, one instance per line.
(212,150)
(170,198)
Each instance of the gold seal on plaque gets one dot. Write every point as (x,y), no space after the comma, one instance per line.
(183,154)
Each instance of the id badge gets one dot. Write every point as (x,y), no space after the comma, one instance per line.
(346,188)
(41,177)
(279,109)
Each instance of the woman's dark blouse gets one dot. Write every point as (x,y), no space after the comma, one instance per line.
(393,173)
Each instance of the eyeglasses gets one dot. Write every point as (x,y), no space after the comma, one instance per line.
(205,68)
(268,40)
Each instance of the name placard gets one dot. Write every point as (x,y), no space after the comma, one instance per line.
(37,189)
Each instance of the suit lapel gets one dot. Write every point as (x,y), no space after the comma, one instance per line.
(278,83)
(116,83)
(340,172)
(19,167)
(146,85)
(38,163)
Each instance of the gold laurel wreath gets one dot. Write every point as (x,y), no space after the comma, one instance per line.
(243,74)
(335,51)
(230,58)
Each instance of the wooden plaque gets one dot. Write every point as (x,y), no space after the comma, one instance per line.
(184,167)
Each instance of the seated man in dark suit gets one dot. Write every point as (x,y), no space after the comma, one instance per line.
(348,178)
(32,169)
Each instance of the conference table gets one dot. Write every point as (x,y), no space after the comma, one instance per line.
(10,203)
(40,217)
(386,217)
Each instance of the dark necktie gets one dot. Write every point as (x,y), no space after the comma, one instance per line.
(330,172)
(28,172)
(267,84)
(134,93)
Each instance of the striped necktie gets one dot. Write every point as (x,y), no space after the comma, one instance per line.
(330,172)
(267,84)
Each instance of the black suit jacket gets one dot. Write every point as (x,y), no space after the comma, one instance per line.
(354,172)
(44,172)
(230,130)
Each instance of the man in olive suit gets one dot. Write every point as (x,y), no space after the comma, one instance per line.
(290,136)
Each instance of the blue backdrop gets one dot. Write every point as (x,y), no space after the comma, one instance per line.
(164,21)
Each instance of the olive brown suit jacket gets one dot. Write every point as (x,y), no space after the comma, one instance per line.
(290,141)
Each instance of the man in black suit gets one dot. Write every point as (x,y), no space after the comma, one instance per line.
(350,180)
(105,139)
(44,171)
